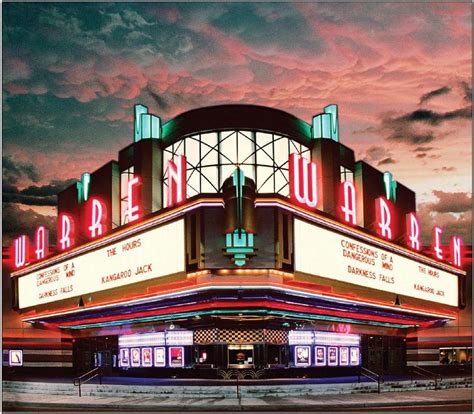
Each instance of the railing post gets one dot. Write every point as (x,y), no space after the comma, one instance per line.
(80,395)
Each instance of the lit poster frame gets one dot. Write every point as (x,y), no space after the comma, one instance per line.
(159,356)
(332,356)
(135,357)
(147,357)
(355,356)
(320,356)
(15,358)
(344,356)
(302,355)
(174,362)
(124,359)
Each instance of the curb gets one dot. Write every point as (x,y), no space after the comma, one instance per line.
(237,407)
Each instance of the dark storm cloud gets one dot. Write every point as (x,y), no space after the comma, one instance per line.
(437,92)
(13,170)
(378,154)
(160,101)
(423,149)
(16,221)
(386,161)
(445,169)
(434,118)
(45,195)
(455,202)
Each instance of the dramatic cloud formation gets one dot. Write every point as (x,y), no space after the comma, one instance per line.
(451,202)
(13,171)
(34,195)
(437,92)
(73,71)
(17,221)
(452,211)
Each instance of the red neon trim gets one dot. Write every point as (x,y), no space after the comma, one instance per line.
(44,345)
(244,304)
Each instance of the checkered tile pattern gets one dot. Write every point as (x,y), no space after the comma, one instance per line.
(273,336)
(205,336)
(238,336)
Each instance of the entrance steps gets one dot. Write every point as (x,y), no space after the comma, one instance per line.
(222,390)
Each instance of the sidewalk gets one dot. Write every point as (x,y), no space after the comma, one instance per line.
(304,403)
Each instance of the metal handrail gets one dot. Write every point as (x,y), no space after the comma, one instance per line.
(93,373)
(423,372)
(378,378)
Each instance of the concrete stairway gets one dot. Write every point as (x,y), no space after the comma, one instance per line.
(246,389)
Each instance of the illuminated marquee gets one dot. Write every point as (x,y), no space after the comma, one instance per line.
(304,176)
(330,255)
(157,252)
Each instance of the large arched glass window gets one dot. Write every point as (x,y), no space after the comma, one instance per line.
(213,157)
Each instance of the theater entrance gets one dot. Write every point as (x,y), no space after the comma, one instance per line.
(240,356)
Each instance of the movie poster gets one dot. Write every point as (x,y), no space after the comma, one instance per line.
(159,356)
(355,360)
(343,355)
(135,362)
(146,357)
(321,355)
(302,355)
(124,357)
(15,357)
(176,356)
(332,355)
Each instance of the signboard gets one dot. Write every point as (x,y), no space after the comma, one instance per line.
(320,359)
(343,355)
(176,356)
(15,358)
(332,355)
(302,356)
(159,357)
(331,255)
(355,360)
(135,357)
(124,360)
(157,252)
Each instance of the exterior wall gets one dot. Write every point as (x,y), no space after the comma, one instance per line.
(423,346)
(42,348)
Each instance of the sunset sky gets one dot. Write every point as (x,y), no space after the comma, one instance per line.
(400,73)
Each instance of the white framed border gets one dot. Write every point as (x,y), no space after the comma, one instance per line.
(324,361)
(15,357)
(341,350)
(336,354)
(124,357)
(155,359)
(150,353)
(135,363)
(308,350)
(354,361)
(170,361)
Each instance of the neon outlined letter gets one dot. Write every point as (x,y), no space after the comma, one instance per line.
(384,218)
(413,231)
(349,207)
(41,242)
(176,181)
(303,181)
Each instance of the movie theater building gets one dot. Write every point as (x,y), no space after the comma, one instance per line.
(234,237)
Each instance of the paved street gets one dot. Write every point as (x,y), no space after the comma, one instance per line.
(455,399)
